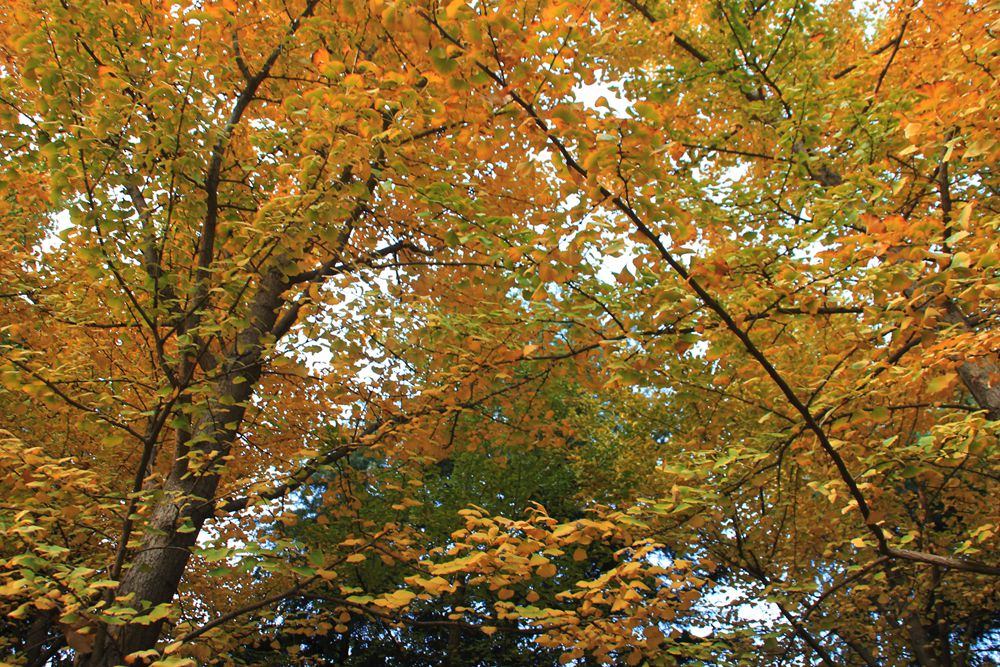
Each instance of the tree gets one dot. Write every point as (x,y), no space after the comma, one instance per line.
(500,480)
(304,232)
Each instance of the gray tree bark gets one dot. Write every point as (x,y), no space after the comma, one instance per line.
(153,574)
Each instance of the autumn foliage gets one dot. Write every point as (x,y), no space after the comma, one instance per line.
(606,332)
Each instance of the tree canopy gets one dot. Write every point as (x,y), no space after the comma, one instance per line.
(362,332)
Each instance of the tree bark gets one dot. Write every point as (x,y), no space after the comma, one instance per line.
(154,572)
(980,376)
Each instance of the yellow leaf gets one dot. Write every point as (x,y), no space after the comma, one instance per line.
(564,530)
(404,596)
(397,599)
(12,587)
(139,657)
(648,112)
(173,648)
(965,214)
(941,383)
(434,585)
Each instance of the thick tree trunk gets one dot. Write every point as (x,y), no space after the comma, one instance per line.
(153,574)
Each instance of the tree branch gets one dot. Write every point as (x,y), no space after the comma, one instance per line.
(720,310)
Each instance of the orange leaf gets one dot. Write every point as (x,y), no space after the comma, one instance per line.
(320,57)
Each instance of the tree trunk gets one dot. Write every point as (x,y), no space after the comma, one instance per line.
(154,573)
(980,376)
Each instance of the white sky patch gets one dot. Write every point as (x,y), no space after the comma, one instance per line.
(611,266)
(61,222)
(590,95)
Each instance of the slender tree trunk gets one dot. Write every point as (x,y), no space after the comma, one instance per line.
(980,376)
